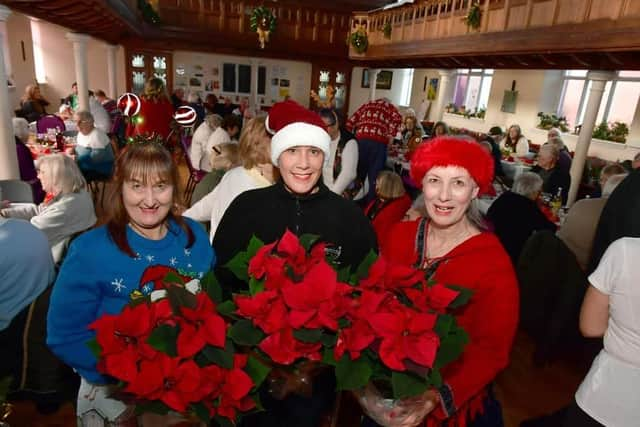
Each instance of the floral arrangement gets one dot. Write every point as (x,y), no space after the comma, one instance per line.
(383,323)
(172,349)
(386,30)
(473,17)
(548,121)
(616,131)
(263,22)
(478,113)
(359,39)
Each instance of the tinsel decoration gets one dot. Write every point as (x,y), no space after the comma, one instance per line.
(473,16)
(149,14)
(146,138)
(359,40)
(263,22)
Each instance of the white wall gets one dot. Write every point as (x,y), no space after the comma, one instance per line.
(58,61)
(196,63)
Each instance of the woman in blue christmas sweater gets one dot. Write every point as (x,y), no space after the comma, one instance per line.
(106,264)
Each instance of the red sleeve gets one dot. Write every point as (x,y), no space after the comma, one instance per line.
(490,319)
(395,122)
(399,244)
(389,216)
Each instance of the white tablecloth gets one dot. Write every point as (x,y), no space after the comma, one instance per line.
(514,169)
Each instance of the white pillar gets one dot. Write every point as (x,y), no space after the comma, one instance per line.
(598,82)
(8,156)
(373,79)
(82,69)
(111,70)
(444,92)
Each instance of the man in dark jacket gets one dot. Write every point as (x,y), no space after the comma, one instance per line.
(515,214)
(301,203)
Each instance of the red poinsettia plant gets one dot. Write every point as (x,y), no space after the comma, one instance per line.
(383,323)
(171,350)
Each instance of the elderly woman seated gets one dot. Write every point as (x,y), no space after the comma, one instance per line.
(515,214)
(27,168)
(93,148)
(67,209)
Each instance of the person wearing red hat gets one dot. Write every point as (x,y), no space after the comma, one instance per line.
(303,204)
(453,244)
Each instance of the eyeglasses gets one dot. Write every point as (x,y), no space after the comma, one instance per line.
(217,150)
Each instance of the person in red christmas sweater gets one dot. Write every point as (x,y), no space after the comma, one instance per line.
(454,244)
(156,111)
(375,124)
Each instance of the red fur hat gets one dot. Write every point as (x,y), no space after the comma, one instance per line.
(452,151)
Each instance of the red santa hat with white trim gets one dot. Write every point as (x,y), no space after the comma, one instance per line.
(293,125)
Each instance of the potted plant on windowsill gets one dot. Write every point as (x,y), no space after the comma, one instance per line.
(548,121)
(616,132)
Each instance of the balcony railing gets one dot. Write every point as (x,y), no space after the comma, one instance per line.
(430,20)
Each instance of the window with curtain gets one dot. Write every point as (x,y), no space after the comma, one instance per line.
(472,89)
(618,103)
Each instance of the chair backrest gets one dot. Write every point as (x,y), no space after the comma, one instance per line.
(185,142)
(16,191)
(50,121)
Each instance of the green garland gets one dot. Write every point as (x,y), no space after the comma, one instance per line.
(386,30)
(473,17)
(149,14)
(359,40)
(262,16)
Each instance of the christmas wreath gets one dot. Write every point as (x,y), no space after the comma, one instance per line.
(473,16)
(386,30)
(263,22)
(359,40)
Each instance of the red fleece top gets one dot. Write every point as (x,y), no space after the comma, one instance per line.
(490,318)
(156,117)
(388,216)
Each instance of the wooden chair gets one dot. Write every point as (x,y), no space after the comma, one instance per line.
(195,175)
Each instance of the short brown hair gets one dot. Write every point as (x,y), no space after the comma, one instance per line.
(227,157)
(252,149)
(143,161)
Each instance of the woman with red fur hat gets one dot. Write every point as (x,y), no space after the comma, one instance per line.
(454,244)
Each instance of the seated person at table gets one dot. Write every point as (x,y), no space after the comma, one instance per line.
(67,209)
(341,168)
(66,114)
(607,172)
(32,104)
(439,129)
(515,141)
(553,177)
(225,156)
(564,158)
(27,168)
(72,99)
(200,151)
(93,148)
(411,134)
(389,206)
(579,227)
(515,214)
(101,118)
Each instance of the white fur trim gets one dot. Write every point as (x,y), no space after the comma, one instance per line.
(299,134)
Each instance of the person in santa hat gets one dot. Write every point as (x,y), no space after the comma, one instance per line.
(300,202)
(454,244)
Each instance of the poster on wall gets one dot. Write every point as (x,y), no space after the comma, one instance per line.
(432,89)
(383,81)
(509,101)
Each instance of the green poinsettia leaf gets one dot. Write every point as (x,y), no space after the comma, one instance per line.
(180,297)
(255,286)
(363,269)
(257,370)
(222,357)
(227,309)
(328,340)
(308,240)
(201,411)
(308,335)
(443,324)
(239,265)
(95,348)
(254,245)
(163,338)
(451,345)
(352,374)
(344,275)
(243,332)
(463,297)
(405,384)
(212,287)
(328,357)
(154,406)
(435,378)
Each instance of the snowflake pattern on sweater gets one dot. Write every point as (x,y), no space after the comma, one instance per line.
(376,120)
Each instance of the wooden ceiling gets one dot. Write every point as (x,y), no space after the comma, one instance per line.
(341,5)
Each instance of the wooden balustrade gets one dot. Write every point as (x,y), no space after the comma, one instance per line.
(429,20)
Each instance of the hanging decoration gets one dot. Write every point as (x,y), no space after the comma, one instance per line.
(129,104)
(326,101)
(149,14)
(359,40)
(263,22)
(473,16)
(386,30)
(185,116)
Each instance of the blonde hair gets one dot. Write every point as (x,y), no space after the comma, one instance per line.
(389,185)
(154,90)
(227,158)
(252,149)
(29,92)
(63,173)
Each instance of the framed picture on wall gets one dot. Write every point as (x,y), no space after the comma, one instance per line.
(383,82)
(432,89)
